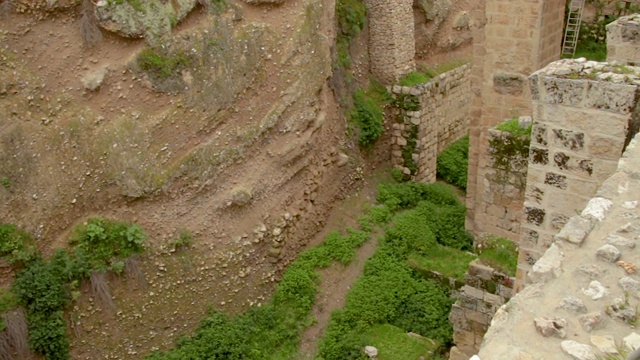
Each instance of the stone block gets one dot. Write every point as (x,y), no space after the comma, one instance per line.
(576,230)
(548,267)
(568,92)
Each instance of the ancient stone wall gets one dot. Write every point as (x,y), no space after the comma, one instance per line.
(430,117)
(583,295)
(485,290)
(623,40)
(582,112)
(391,39)
(504,177)
(512,39)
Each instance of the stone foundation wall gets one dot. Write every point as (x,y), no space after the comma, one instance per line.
(504,177)
(582,117)
(485,290)
(513,38)
(623,40)
(391,39)
(429,117)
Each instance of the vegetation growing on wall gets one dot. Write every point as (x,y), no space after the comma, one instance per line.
(510,150)
(453,163)
(44,287)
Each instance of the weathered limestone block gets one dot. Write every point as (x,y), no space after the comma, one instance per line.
(623,40)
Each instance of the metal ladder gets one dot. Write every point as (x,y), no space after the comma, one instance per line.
(571,32)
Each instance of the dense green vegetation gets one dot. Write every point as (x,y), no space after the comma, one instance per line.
(453,163)
(390,292)
(351,15)
(367,114)
(44,287)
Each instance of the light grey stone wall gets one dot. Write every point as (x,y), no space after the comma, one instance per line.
(391,39)
(441,117)
(623,40)
(582,113)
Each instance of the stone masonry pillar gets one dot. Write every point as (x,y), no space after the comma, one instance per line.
(583,114)
(391,39)
(512,39)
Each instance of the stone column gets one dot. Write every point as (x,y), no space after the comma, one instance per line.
(512,39)
(391,39)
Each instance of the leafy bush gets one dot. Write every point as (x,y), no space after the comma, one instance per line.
(453,163)
(447,223)
(103,242)
(368,117)
(183,240)
(161,65)
(407,195)
(351,16)
(16,245)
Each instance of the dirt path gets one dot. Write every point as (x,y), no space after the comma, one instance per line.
(336,283)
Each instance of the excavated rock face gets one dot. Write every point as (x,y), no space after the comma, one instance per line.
(151,20)
(441,25)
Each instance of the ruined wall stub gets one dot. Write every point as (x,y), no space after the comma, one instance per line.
(430,117)
(485,290)
(504,180)
(583,114)
(623,40)
(513,39)
(391,39)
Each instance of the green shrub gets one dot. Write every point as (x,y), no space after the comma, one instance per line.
(8,300)
(16,245)
(368,116)
(447,223)
(104,242)
(407,195)
(453,163)
(183,240)
(351,16)
(161,65)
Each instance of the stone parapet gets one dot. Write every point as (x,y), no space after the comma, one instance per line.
(429,117)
